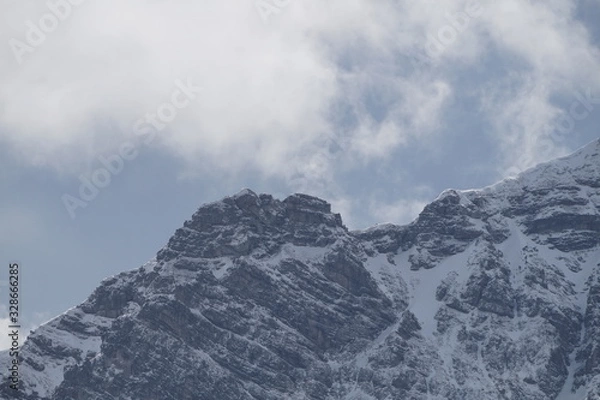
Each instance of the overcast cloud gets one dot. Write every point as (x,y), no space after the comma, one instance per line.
(274,91)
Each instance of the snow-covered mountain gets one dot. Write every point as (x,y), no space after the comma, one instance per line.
(489,294)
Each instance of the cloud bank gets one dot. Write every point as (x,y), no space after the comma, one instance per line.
(296,90)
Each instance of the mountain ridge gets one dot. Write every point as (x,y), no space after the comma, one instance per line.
(489,294)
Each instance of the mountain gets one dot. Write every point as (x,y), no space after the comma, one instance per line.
(489,294)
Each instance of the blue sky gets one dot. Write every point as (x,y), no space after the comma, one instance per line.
(375,106)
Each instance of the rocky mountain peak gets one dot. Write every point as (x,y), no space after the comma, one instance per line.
(489,294)
(248,222)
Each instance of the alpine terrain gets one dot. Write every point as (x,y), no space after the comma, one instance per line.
(489,294)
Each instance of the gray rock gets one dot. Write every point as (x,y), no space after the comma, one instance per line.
(480,298)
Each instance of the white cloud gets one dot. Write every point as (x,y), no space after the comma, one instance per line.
(275,95)
(267,89)
(559,60)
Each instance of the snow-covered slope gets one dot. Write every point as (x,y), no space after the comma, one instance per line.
(490,294)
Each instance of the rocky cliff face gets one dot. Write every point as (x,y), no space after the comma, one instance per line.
(490,294)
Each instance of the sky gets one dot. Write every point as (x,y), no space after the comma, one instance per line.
(119,119)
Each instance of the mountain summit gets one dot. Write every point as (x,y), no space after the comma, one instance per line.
(489,294)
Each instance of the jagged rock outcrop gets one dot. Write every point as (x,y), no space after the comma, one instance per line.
(489,294)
